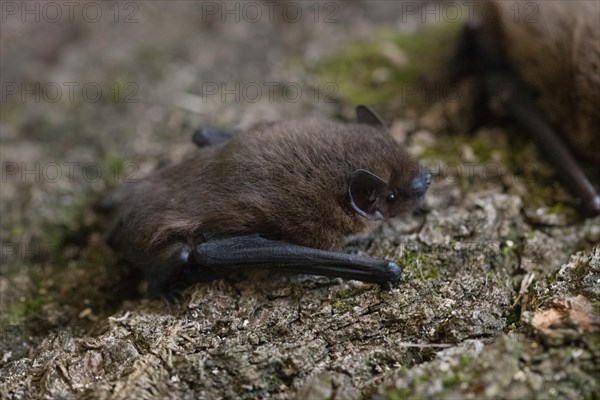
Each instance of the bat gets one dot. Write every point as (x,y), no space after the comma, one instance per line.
(552,50)
(280,196)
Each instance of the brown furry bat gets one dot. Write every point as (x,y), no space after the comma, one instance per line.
(555,45)
(279,195)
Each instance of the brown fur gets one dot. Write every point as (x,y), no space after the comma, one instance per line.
(287,180)
(555,45)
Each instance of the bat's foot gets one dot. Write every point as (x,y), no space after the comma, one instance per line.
(172,292)
(169,271)
(173,296)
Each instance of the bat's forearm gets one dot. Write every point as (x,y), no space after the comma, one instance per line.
(557,153)
(256,252)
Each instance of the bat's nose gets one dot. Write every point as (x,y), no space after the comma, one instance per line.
(421,182)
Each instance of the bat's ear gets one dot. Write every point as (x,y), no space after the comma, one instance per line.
(367,116)
(364,189)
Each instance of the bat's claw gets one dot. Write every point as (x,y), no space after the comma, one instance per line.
(174,295)
(592,208)
(395,272)
(395,275)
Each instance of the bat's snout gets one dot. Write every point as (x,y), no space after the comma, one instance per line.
(421,182)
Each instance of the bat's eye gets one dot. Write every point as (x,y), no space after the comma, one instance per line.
(391,198)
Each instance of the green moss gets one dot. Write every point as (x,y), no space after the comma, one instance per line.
(342,294)
(391,65)
(538,195)
(465,361)
(341,307)
(446,149)
(24,309)
(557,208)
(399,394)
(17,231)
(35,304)
(350,75)
(421,265)
(422,378)
(482,148)
(507,250)
(274,382)
(552,278)
(450,379)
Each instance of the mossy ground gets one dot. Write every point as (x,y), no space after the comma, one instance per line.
(391,68)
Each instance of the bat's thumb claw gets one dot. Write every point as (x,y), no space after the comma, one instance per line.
(395,272)
(594,206)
